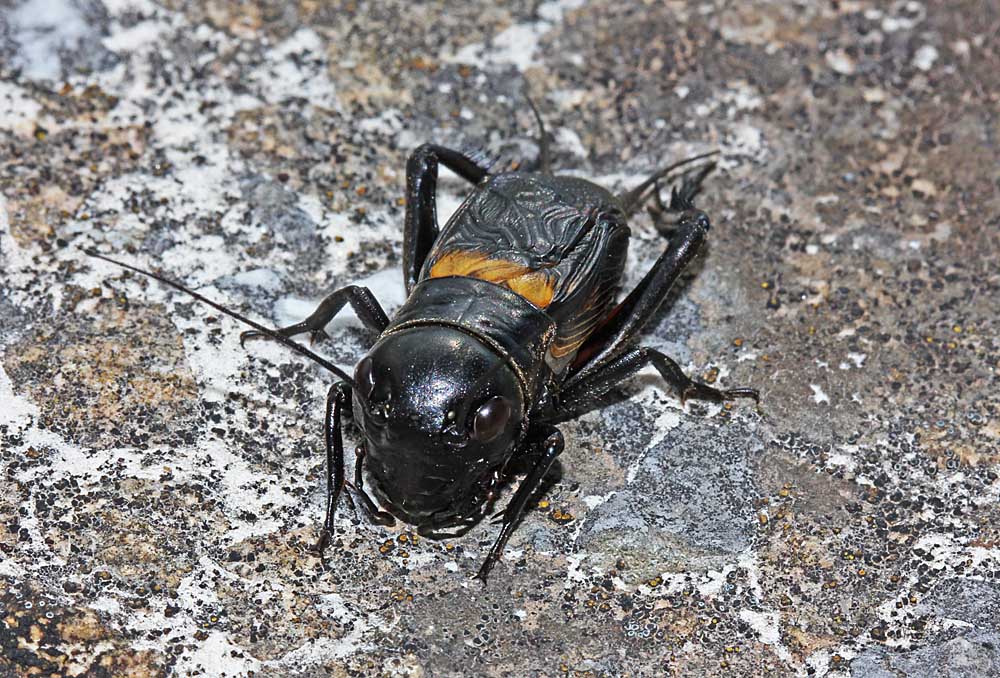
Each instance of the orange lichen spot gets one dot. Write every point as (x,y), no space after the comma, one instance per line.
(422,64)
(402,596)
(560,516)
(535,286)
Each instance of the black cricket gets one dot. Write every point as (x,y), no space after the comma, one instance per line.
(510,326)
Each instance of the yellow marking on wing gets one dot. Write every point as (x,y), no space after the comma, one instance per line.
(535,286)
(586,322)
(563,346)
(476,265)
(562,349)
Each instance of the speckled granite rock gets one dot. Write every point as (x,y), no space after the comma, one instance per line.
(161,488)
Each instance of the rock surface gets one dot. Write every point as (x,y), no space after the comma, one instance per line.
(161,488)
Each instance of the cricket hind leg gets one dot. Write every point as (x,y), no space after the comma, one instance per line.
(681,199)
(627,320)
(420,229)
(623,324)
(612,373)
(361,299)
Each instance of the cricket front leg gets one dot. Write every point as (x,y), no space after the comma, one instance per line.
(361,299)
(552,447)
(338,397)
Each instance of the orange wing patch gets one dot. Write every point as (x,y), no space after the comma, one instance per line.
(535,286)
(476,265)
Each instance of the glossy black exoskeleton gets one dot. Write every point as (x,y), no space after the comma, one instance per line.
(511,325)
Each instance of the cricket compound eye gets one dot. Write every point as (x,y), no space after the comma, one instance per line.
(491,419)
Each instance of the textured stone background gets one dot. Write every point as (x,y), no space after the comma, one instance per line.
(160,487)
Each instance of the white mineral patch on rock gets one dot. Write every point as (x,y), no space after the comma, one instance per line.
(43,28)
(137,37)
(742,140)
(18,111)
(570,141)
(925,57)
(16,410)
(841,62)
(517,44)
(297,68)
(217,656)
(261,278)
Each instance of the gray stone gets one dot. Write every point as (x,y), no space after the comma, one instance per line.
(975,654)
(967,600)
(690,501)
(275,208)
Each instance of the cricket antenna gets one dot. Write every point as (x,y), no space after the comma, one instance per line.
(543,137)
(295,346)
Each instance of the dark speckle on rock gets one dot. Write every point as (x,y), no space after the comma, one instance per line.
(161,487)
